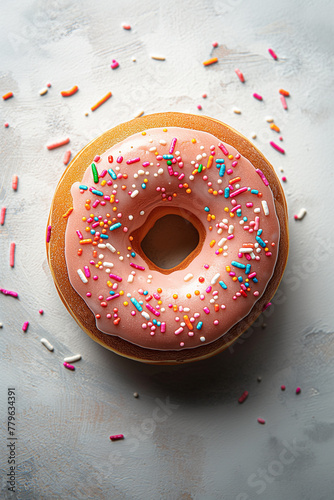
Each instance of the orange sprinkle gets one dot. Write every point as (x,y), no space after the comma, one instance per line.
(187,322)
(212,243)
(72,91)
(284,92)
(85,242)
(233,181)
(68,213)
(188,191)
(101,101)
(208,62)
(275,127)
(210,161)
(175,296)
(216,307)
(80,251)
(7,96)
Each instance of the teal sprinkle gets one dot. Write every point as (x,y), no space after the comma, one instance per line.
(227,192)
(240,279)
(158,323)
(223,285)
(238,265)
(220,160)
(248,268)
(112,174)
(83,187)
(206,209)
(104,236)
(259,232)
(260,241)
(133,254)
(92,231)
(254,191)
(239,212)
(98,193)
(136,304)
(154,322)
(255,280)
(112,292)
(199,325)
(245,219)
(167,157)
(96,219)
(143,185)
(146,292)
(222,170)
(115,226)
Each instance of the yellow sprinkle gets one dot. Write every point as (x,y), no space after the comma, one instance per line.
(220,250)
(104,182)
(193,141)
(228,269)
(125,303)
(197,292)
(230,157)
(85,242)
(175,296)
(213,217)
(210,161)
(121,292)
(225,209)
(188,295)
(143,133)
(164,130)
(234,278)
(68,213)
(212,243)
(84,219)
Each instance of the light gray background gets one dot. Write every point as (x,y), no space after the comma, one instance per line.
(204,445)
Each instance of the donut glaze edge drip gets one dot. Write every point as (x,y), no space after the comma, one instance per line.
(184,169)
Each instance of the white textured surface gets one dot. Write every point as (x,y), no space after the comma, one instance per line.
(206,446)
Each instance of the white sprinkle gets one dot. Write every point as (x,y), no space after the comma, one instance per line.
(47,344)
(199,157)
(162,142)
(183,324)
(202,339)
(134,193)
(237,111)
(230,229)
(252,255)
(186,309)
(121,258)
(130,217)
(265,207)
(145,315)
(215,279)
(212,301)
(101,245)
(269,119)
(245,250)
(191,177)
(257,210)
(101,256)
(160,171)
(108,264)
(188,277)
(141,212)
(111,248)
(43,91)
(82,276)
(152,149)
(221,242)
(130,278)
(139,114)
(158,58)
(301,214)
(72,359)
(141,172)
(219,231)
(253,136)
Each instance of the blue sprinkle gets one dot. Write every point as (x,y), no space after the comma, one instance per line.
(133,254)
(260,241)
(98,193)
(199,325)
(167,157)
(255,280)
(136,304)
(239,212)
(146,292)
(238,265)
(248,268)
(158,323)
(104,236)
(240,279)
(259,232)
(83,187)
(245,219)
(143,185)
(92,231)
(207,209)
(115,226)
(220,160)
(254,191)
(227,192)
(154,322)
(112,174)
(222,170)
(96,219)
(223,285)
(112,292)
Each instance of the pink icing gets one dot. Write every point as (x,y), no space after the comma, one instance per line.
(190,307)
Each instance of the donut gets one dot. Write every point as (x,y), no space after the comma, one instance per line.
(167,237)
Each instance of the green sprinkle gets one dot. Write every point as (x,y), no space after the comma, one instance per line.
(95,174)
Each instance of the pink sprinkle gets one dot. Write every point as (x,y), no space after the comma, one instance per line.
(222,147)
(172,146)
(111,297)
(119,159)
(243,397)
(67,157)
(179,330)
(240,75)
(263,177)
(204,96)
(163,327)
(87,271)
(283,101)
(68,366)
(25,326)
(116,437)
(114,64)
(266,306)
(152,310)
(258,96)
(41,311)
(115,277)
(272,53)
(6,125)
(132,160)
(284,179)
(199,107)
(12,254)
(214,45)
(238,191)
(298,390)
(9,292)
(146,164)
(283,387)
(79,233)
(261,421)
(206,310)
(278,148)
(136,266)
(2,215)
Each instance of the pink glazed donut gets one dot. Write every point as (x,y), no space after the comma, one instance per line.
(167,237)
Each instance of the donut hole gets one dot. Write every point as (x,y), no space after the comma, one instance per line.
(169,241)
